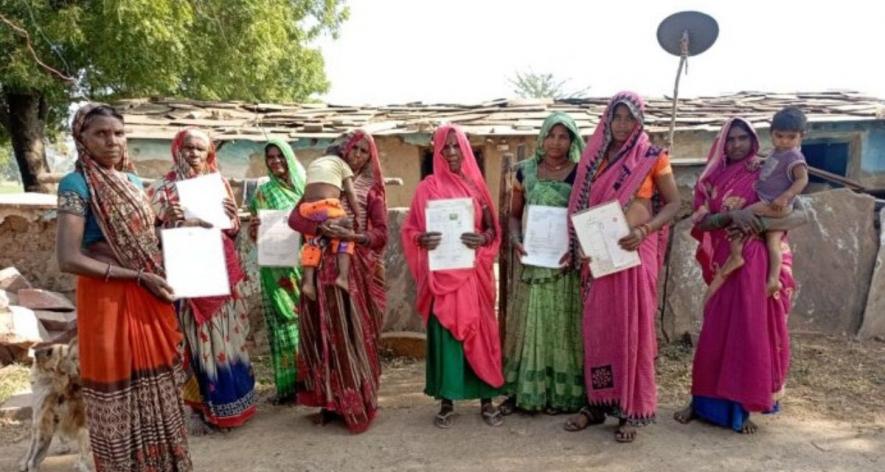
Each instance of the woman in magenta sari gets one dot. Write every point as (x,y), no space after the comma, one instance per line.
(338,356)
(621,164)
(743,351)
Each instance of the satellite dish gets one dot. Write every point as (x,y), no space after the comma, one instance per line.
(684,34)
(702,32)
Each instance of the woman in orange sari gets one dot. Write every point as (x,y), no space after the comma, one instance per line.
(128,332)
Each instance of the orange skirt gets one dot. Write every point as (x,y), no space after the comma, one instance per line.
(129,363)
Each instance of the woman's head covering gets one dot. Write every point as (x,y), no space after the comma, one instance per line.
(181,170)
(120,208)
(560,118)
(297,174)
(345,143)
(622,174)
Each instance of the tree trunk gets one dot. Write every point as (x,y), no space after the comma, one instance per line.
(26,122)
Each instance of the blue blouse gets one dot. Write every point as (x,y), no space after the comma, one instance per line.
(73,198)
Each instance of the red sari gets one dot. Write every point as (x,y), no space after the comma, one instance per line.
(338,357)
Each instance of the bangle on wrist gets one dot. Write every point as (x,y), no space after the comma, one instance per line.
(107,273)
(138,277)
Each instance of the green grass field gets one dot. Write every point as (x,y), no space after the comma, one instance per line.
(10,187)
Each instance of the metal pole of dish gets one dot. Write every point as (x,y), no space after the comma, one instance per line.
(682,59)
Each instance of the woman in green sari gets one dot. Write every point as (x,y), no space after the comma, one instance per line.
(543,349)
(279,285)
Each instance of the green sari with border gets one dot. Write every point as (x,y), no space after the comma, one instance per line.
(281,286)
(543,348)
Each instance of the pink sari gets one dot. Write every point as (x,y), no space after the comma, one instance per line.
(743,351)
(463,300)
(619,309)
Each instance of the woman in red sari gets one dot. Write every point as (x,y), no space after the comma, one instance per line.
(338,357)
(458,305)
(620,163)
(743,351)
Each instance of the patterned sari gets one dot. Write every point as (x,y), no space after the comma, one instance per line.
(280,286)
(743,351)
(543,349)
(215,328)
(339,331)
(129,339)
(620,344)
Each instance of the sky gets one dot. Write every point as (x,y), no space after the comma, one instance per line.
(465,51)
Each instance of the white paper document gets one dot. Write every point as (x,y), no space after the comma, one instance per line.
(451,217)
(599,229)
(202,197)
(546,236)
(194,260)
(278,244)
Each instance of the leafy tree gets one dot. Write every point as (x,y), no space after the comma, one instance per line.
(57,51)
(540,85)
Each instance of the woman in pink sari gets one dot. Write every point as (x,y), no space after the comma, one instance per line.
(458,305)
(743,351)
(621,164)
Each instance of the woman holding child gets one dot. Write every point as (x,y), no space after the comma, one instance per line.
(339,329)
(743,351)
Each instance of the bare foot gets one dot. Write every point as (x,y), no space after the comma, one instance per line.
(684,415)
(749,427)
(774,286)
(625,433)
(341,281)
(309,291)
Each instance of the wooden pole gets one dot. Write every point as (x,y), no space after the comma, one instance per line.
(506,253)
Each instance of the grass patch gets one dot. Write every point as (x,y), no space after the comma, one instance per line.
(13,378)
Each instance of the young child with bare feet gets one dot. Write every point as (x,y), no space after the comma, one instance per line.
(783,176)
(327,178)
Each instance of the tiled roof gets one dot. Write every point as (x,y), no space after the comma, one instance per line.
(160,118)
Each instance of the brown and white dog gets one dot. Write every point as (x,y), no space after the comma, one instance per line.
(58,405)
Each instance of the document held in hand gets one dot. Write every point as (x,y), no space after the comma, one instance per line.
(203,197)
(451,217)
(599,228)
(194,260)
(546,236)
(278,244)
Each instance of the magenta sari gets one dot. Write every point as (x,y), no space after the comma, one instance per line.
(743,351)
(620,343)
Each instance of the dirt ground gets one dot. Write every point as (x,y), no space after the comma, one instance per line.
(833,419)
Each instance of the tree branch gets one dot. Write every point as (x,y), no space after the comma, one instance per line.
(24,33)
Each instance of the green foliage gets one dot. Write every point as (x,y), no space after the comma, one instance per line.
(254,50)
(539,85)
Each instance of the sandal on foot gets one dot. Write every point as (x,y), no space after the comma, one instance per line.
(444,419)
(625,434)
(492,416)
(508,406)
(584,419)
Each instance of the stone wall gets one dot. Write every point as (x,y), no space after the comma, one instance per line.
(833,259)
